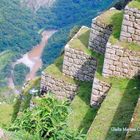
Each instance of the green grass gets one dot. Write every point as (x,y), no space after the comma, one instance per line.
(55,70)
(116,110)
(80,42)
(82,114)
(5,114)
(135,4)
(107,17)
(134,135)
(5,58)
(116,20)
(6,95)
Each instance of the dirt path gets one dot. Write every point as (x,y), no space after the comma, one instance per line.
(32,59)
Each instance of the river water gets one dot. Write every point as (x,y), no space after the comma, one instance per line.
(32,59)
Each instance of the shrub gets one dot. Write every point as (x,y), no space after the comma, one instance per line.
(47,119)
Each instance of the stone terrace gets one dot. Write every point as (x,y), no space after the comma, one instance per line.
(121,62)
(101,29)
(131,25)
(78,63)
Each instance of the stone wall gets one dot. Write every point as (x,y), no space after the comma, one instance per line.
(131,25)
(78,65)
(60,88)
(99,36)
(121,62)
(99,92)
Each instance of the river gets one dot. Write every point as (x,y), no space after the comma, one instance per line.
(32,59)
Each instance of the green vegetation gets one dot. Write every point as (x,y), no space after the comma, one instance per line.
(20,71)
(46,120)
(26,99)
(64,16)
(56,71)
(107,17)
(82,114)
(115,18)
(17,26)
(23,101)
(5,114)
(5,61)
(73,31)
(6,95)
(21,135)
(116,110)
(20,27)
(135,4)
(80,41)
(135,124)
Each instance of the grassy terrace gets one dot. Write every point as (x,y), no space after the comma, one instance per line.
(134,135)
(82,114)
(115,18)
(116,110)
(80,41)
(6,111)
(135,4)
(55,70)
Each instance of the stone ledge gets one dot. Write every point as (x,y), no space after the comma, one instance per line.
(101,29)
(79,65)
(131,25)
(59,87)
(121,62)
(99,92)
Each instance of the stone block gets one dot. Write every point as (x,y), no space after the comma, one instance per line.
(131,30)
(99,92)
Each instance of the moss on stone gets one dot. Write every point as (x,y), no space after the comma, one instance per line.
(115,36)
(107,17)
(135,4)
(55,70)
(116,110)
(80,41)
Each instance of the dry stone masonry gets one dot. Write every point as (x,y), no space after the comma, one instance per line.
(121,62)
(60,88)
(79,65)
(131,25)
(99,92)
(118,61)
(99,36)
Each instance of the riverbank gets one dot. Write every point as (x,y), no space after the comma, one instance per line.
(32,59)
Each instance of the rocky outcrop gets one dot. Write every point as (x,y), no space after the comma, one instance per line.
(99,36)
(121,62)
(99,92)
(60,88)
(131,25)
(79,65)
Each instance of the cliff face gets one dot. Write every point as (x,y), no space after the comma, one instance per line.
(36,4)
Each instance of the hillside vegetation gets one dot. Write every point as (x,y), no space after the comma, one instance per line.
(20,26)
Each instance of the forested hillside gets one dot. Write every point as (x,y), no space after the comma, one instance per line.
(20,25)
(18,29)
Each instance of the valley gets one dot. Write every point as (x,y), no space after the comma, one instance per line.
(69,69)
